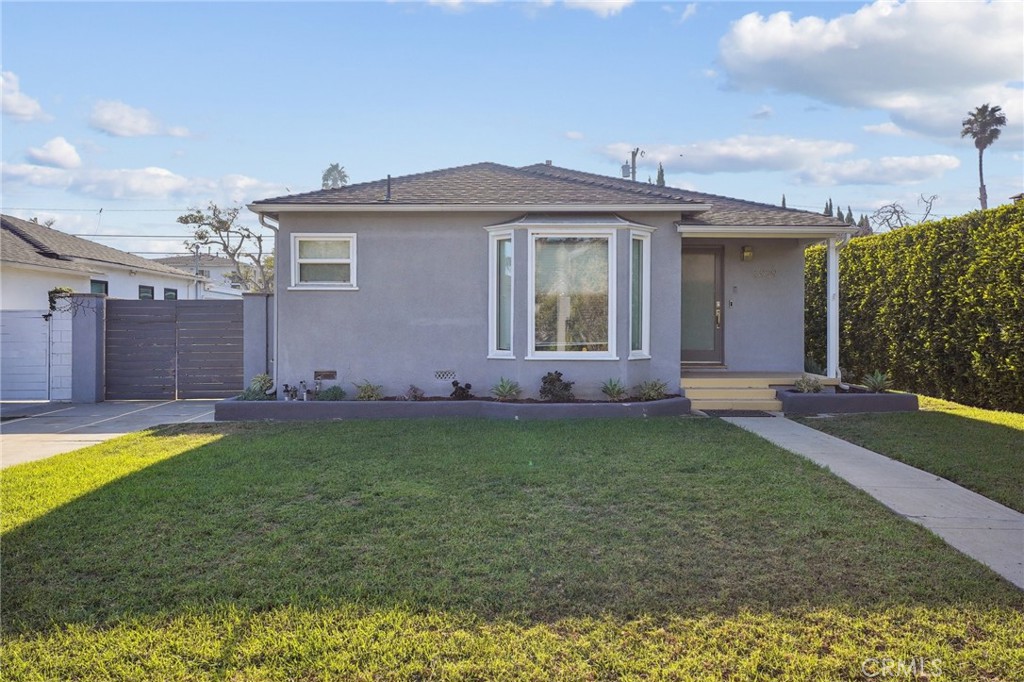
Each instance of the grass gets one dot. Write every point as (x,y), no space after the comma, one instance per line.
(982,450)
(658,549)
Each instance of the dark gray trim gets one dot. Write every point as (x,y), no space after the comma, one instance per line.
(845,403)
(279,410)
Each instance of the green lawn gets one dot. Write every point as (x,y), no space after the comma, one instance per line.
(982,450)
(679,549)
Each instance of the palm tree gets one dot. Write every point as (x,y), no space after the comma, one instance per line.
(334,177)
(983,125)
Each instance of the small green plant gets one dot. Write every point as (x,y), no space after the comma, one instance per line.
(367,391)
(654,389)
(258,388)
(807,384)
(555,389)
(506,390)
(331,393)
(877,381)
(415,393)
(461,391)
(57,293)
(614,390)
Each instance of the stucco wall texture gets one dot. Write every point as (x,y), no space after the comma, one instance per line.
(421,307)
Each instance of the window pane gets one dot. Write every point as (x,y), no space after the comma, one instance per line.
(325,272)
(170,294)
(504,290)
(324,248)
(571,287)
(636,297)
(98,286)
(145,293)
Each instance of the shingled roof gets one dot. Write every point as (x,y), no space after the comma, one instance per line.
(491,184)
(30,243)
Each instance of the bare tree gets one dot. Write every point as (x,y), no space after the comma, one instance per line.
(893,216)
(240,244)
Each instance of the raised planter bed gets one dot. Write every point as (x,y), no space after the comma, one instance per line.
(794,402)
(279,410)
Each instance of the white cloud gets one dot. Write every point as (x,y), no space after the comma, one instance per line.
(887,128)
(574,135)
(602,8)
(763,112)
(58,153)
(121,120)
(709,73)
(688,12)
(458,5)
(146,183)
(17,104)
(737,154)
(925,63)
(889,170)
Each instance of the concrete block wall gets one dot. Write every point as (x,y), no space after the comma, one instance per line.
(61,354)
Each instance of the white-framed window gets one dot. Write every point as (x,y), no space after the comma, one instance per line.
(501,275)
(571,281)
(324,261)
(639,295)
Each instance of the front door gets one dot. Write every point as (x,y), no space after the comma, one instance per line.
(702,306)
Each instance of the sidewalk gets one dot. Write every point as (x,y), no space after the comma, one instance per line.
(980,528)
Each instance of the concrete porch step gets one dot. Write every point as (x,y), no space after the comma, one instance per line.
(724,380)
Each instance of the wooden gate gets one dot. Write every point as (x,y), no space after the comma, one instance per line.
(162,350)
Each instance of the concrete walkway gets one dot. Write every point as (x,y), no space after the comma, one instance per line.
(975,525)
(31,431)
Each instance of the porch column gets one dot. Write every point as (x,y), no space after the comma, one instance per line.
(832,315)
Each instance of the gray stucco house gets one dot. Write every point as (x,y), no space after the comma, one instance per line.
(488,271)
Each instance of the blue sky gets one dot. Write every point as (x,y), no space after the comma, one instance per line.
(146,109)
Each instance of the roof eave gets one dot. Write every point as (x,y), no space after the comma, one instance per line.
(384,207)
(766,231)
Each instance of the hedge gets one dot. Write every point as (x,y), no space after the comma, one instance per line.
(940,306)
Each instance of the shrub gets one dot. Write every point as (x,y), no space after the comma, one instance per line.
(877,382)
(367,391)
(461,391)
(556,390)
(614,390)
(258,387)
(939,303)
(651,390)
(506,390)
(331,393)
(807,384)
(414,393)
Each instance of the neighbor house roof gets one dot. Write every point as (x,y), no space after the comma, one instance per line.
(491,185)
(188,262)
(30,243)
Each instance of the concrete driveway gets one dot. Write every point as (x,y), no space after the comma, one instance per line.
(31,431)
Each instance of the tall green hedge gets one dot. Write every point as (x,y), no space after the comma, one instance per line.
(940,306)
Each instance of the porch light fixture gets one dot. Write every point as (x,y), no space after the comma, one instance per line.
(747,254)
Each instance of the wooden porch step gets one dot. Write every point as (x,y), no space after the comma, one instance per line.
(738,405)
(729,393)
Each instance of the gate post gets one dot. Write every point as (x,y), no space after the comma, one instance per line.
(258,342)
(88,347)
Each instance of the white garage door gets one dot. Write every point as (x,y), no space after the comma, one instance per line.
(24,347)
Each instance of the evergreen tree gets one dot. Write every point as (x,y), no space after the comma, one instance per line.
(661,176)
(849,216)
(828,209)
(783,201)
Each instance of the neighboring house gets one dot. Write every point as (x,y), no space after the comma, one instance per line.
(488,271)
(34,259)
(218,278)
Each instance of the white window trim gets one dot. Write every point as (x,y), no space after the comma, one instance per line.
(571,232)
(645,296)
(493,353)
(322,236)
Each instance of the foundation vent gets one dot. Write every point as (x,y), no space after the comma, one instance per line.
(444,374)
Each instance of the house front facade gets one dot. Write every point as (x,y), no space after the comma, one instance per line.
(487,271)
